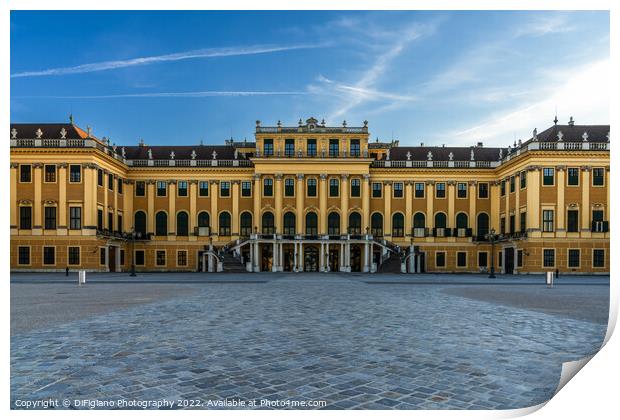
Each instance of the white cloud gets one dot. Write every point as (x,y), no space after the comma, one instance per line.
(545,25)
(584,95)
(199,94)
(141,61)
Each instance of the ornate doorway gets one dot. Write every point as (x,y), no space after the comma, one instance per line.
(334,260)
(311,258)
(356,258)
(266,257)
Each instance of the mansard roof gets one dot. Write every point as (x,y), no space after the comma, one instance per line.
(443,153)
(49,131)
(574,133)
(181,152)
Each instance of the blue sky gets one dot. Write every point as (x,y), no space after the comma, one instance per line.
(433,77)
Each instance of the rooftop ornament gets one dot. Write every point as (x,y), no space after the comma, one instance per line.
(39,133)
(471,155)
(141,143)
(344,123)
(585,136)
(63,133)
(279,123)
(365,123)
(408,155)
(501,153)
(429,155)
(236,154)
(323,122)
(14,133)
(214,154)
(257,123)
(560,136)
(123,152)
(172,155)
(450,156)
(535,135)
(193,155)
(89,129)
(150,154)
(300,122)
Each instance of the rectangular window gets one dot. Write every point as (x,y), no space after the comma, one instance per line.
(419,190)
(139,257)
(440,259)
(574,258)
(598,258)
(547,220)
(500,260)
(268,147)
(512,223)
(502,224)
(102,255)
(50,217)
(461,189)
(268,187)
(333,147)
(203,188)
(122,257)
(483,259)
(49,255)
(182,189)
(502,188)
(140,188)
(75,217)
(119,223)
(182,258)
(572,221)
(440,190)
(110,221)
(73,255)
(75,173)
(461,259)
(160,257)
(548,257)
(25,173)
(598,224)
(162,188)
(311,147)
(50,173)
(119,187)
(311,187)
(483,190)
(333,187)
(512,184)
(523,179)
(376,190)
(111,182)
(289,187)
(548,176)
(99,219)
(23,257)
(573,176)
(398,190)
(520,258)
(355,147)
(356,187)
(289,147)
(100,177)
(225,189)
(523,221)
(25,217)
(598,177)
(246,189)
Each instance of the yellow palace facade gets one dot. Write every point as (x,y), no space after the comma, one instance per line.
(309,198)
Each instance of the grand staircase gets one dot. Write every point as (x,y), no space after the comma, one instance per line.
(391,264)
(232,264)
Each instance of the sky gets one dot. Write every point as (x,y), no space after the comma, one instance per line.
(454,78)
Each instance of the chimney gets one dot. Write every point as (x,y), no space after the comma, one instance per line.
(571,121)
(422,144)
(480,144)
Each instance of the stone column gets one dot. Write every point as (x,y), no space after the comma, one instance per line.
(365,203)
(321,258)
(323,205)
(560,227)
(106,176)
(430,204)
(62,199)
(344,204)
(473,219)
(507,205)
(90,196)
(295,256)
(451,222)
(274,259)
(387,209)
(494,197)
(301,257)
(14,222)
(257,191)
(172,209)
(278,204)
(215,219)
(128,205)
(533,200)
(280,258)
(37,204)
(342,262)
(256,261)
(193,213)
(408,207)
(235,208)
(150,214)
(365,267)
(518,202)
(300,193)
(585,200)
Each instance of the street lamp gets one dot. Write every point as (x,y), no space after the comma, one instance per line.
(491,237)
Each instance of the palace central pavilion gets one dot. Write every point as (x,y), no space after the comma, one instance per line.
(309,198)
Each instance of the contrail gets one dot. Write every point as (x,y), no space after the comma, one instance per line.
(141,61)
(201,94)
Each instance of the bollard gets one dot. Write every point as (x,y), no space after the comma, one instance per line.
(81,277)
(550,278)
(67,272)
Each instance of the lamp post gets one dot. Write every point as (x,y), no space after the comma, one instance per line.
(492,238)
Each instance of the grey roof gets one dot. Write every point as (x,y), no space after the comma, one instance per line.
(50,130)
(443,153)
(181,152)
(574,133)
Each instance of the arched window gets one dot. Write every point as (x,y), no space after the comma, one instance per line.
(355,223)
(246,224)
(483,224)
(289,223)
(440,220)
(376,224)
(312,224)
(161,223)
(182,225)
(398,225)
(419,220)
(461,221)
(333,224)
(224,223)
(139,223)
(268,223)
(203,219)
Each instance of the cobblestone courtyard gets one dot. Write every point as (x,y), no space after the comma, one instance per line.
(353,341)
